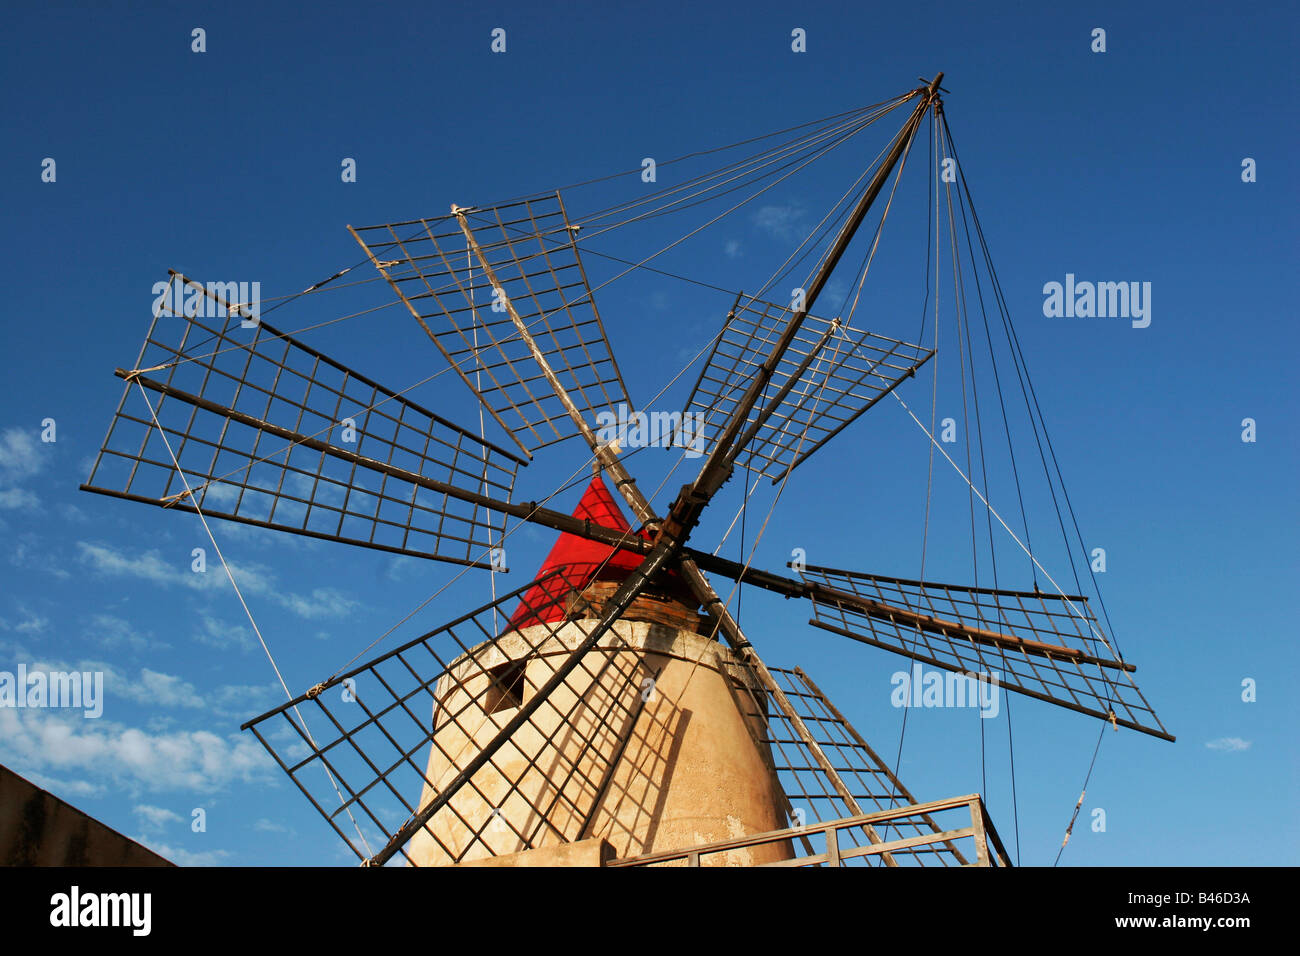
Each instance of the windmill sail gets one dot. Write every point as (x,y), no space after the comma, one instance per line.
(1046,646)
(372,746)
(861,782)
(462,280)
(272,433)
(826,379)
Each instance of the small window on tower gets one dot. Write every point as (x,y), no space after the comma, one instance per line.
(506,688)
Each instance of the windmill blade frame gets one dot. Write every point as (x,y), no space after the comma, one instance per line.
(953,627)
(522,283)
(384,717)
(990,635)
(858,781)
(251,413)
(830,375)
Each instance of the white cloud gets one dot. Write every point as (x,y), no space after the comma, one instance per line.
(49,740)
(29,623)
(732,248)
(270,826)
(216,633)
(15,499)
(323,602)
(162,690)
(20,458)
(112,631)
(222,495)
(404,566)
(245,700)
(30,552)
(255,580)
(20,454)
(72,513)
(781,222)
(836,292)
(1228,744)
(183,857)
(155,818)
(155,688)
(149,566)
(64,788)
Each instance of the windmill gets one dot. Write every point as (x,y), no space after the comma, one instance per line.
(610,711)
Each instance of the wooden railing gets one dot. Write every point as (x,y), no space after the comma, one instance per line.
(842,844)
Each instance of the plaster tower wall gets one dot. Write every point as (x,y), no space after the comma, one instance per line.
(690,771)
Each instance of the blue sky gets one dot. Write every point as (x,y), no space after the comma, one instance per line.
(1116,166)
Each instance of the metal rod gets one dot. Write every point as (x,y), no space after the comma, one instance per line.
(1028,692)
(436,341)
(871,753)
(717,467)
(604,454)
(924,622)
(529,511)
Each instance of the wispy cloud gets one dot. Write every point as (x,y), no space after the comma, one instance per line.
(65,788)
(27,623)
(18,499)
(155,818)
(254,579)
(160,690)
(1228,744)
(20,459)
(732,249)
(104,751)
(244,700)
(782,221)
(32,553)
(20,455)
(111,631)
(216,633)
(156,689)
(182,857)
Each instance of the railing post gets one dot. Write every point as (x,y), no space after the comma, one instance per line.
(981,839)
(832,846)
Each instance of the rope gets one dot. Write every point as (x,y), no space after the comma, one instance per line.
(478,388)
(934,406)
(239,594)
(1070,827)
(772,158)
(756,162)
(705,152)
(1064,597)
(1031,396)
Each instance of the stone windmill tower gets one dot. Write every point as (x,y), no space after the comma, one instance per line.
(611,711)
(653,742)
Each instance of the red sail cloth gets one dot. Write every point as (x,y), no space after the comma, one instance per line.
(578,559)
